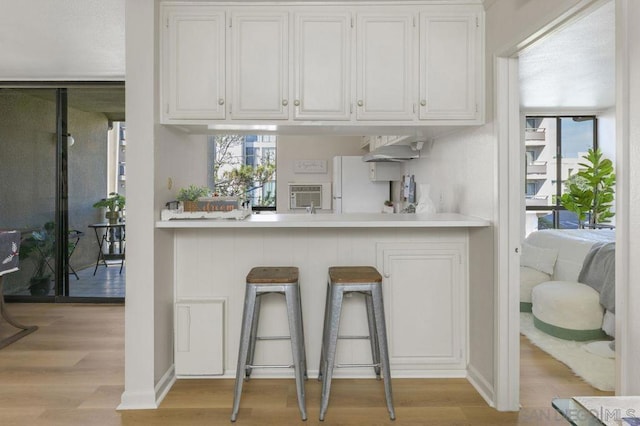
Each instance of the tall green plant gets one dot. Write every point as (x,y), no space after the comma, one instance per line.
(589,193)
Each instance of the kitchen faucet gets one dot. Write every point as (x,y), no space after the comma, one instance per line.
(311,209)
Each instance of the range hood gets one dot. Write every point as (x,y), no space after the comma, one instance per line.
(393,153)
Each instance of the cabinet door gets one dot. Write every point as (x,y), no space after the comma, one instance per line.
(448,55)
(199,337)
(322,72)
(385,61)
(259,59)
(194,64)
(425,299)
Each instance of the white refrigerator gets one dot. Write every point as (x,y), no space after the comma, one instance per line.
(353,191)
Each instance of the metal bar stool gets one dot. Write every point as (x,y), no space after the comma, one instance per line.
(354,279)
(269,280)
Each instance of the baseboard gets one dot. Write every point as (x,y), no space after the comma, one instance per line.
(148,400)
(342,373)
(482,385)
(138,400)
(164,384)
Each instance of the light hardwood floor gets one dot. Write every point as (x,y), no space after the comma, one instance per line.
(71,372)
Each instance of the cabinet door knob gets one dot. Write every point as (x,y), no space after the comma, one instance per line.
(296,102)
(220,101)
(387,275)
(285,102)
(423,103)
(360,103)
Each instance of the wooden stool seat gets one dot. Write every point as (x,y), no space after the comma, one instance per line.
(341,275)
(273,275)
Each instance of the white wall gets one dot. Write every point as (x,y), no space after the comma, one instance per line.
(148,319)
(458,169)
(628,196)
(318,147)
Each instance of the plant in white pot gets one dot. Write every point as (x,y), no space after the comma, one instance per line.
(590,192)
(114,204)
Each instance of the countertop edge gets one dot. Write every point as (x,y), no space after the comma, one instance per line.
(333,221)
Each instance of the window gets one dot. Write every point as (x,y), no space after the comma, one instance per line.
(531,155)
(244,166)
(554,147)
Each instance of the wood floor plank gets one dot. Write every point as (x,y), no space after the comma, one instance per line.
(71,372)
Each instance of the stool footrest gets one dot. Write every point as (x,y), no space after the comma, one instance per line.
(356,365)
(274,338)
(270,366)
(354,337)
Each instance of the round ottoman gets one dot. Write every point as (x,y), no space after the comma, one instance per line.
(529,278)
(568,310)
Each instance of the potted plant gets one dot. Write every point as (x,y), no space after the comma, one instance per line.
(589,193)
(39,246)
(188,196)
(115,205)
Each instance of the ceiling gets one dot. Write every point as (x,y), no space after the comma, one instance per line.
(574,68)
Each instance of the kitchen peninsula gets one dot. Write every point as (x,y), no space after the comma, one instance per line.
(424,260)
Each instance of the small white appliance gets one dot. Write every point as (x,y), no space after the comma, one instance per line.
(303,195)
(353,191)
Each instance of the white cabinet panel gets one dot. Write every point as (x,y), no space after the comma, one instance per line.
(448,55)
(199,337)
(425,299)
(385,171)
(322,66)
(303,64)
(193,73)
(385,61)
(259,65)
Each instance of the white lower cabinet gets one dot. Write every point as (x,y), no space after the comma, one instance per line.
(199,337)
(425,300)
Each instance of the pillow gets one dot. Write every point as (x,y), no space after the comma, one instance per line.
(529,278)
(541,259)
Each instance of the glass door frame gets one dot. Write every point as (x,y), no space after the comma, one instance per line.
(61,213)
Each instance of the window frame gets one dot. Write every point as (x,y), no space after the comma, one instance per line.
(211,158)
(558,182)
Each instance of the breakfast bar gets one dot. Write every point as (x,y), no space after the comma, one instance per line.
(423,260)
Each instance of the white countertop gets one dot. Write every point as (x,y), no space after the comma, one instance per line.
(348,220)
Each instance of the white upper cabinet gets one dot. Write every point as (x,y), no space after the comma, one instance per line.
(322,72)
(450,44)
(259,65)
(353,64)
(385,62)
(193,36)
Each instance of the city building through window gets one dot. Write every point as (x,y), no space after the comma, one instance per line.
(244,166)
(554,148)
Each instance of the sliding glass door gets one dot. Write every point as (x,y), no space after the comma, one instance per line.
(96,169)
(28,186)
(57,149)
